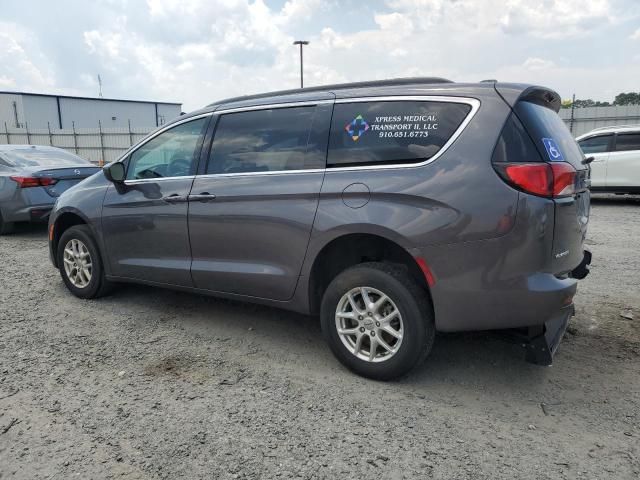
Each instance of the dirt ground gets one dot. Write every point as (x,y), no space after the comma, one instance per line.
(150,384)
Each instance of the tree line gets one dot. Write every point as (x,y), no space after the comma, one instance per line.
(631,98)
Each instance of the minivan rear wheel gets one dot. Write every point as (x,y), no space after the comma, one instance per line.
(80,263)
(377,320)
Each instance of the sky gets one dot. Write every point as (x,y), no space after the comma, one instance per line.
(199,51)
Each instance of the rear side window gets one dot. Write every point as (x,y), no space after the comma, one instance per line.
(391,132)
(550,134)
(514,144)
(265,140)
(628,141)
(599,144)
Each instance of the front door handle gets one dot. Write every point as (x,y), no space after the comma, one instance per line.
(175,198)
(202,197)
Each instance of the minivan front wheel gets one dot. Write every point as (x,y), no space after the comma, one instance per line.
(377,320)
(80,264)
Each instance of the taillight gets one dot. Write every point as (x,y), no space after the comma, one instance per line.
(26,182)
(556,179)
(564,179)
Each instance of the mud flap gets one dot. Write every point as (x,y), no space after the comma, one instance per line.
(543,340)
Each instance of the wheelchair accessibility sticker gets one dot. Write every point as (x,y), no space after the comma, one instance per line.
(555,155)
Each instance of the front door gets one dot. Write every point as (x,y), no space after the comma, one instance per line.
(145,220)
(252,210)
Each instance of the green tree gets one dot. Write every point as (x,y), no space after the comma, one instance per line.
(585,103)
(631,98)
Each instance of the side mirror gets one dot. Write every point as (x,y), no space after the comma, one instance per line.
(114,172)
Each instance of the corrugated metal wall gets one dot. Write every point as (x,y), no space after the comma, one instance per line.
(96,146)
(40,111)
(586,119)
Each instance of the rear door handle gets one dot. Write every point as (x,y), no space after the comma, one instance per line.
(175,198)
(202,197)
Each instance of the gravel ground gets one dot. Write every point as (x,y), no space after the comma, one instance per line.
(152,384)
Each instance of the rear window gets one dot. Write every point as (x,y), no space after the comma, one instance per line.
(391,132)
(514,144)
(628,141)
(32,157)
(550,134)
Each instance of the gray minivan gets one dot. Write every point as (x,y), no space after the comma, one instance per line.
(393,209)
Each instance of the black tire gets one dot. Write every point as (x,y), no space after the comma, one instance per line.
(412,302)
(98,285)
(6,227)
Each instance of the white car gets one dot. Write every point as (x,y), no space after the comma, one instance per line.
(616,158)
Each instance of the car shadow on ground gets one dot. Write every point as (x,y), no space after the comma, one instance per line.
(467,357)
(489,360)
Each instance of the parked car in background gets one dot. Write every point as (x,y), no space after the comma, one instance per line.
(616,158)
(392,209)
(32,177)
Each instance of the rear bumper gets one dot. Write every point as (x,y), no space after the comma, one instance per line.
(477,304)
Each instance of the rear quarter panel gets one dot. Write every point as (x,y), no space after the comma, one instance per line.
(456,198)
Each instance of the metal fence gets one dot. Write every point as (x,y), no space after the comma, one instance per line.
(583,120)
(97,145)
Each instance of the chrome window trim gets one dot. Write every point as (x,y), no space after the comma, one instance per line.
(145,140)
(273,106)
(159,179)
(474,103)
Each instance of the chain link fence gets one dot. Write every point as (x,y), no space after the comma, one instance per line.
(97,145)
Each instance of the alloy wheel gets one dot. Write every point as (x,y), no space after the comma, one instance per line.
(77,263)
(369,324)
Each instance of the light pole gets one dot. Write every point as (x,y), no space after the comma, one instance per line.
(302,43)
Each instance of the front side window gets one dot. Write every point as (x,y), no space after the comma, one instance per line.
(170,154)
(391,132)
(628,141)
(599,144)
(263,141)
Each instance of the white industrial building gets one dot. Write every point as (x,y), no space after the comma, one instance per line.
(21,110)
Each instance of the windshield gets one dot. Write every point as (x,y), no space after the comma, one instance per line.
(32,157)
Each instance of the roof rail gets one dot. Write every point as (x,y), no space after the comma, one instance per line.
(340,86)
(637,125)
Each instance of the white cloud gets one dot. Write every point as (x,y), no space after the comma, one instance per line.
(198,51)
(396,22)
(22,64)
(548,19)
(534,63)
(635,35)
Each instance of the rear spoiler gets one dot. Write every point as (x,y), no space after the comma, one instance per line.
(513,93)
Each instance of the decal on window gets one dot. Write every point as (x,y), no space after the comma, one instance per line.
(356,128)
(393,126)
(555,155)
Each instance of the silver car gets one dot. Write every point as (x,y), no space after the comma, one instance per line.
(32,177)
